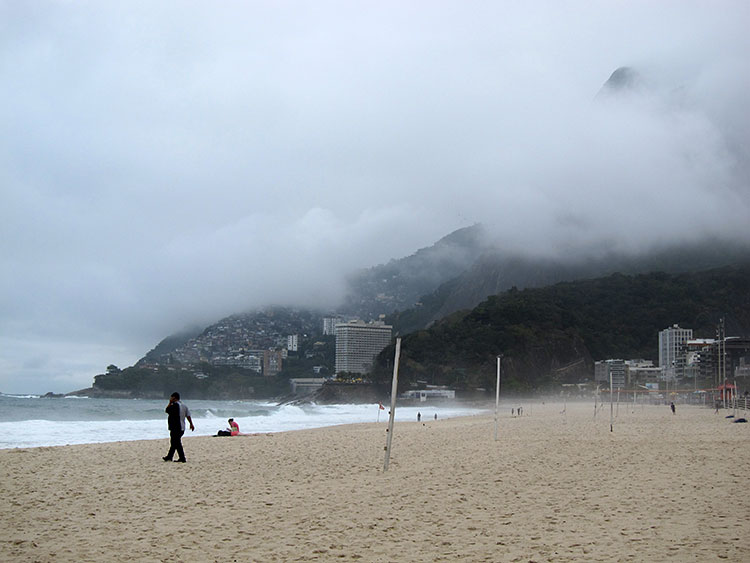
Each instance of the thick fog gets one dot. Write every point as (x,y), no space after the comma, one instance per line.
(166,163)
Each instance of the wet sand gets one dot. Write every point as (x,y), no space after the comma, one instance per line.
(553,487)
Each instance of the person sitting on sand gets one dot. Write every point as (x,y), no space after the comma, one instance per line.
(234,428)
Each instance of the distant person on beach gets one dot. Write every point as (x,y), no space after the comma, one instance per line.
(233,430)
(671,406)
(435,416)
(419,416)
(176,415)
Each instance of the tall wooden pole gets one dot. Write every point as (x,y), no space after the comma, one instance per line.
(394,391)
(596,400)
(724,355)
(497,392)
(611,404)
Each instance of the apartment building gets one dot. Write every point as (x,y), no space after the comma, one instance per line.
(611,370)
(358,343)
(672,344)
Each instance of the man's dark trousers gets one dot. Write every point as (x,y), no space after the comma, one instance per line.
(175,445)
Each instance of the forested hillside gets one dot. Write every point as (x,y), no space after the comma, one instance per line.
(497,271)
(554,334)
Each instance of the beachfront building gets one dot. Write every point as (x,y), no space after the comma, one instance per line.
(736,352)
(358,343)
(641,372)
(672,347)
(699,360)
(611,370)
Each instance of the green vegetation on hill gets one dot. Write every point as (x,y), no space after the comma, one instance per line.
(497,271)
(204,382)
(552,335)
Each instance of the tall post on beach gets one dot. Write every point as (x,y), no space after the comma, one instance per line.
(497,392)
(611,404)
(724,358)
(392,413)
(596,400)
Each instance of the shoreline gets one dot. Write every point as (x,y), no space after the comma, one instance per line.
(554,486)
(104,421)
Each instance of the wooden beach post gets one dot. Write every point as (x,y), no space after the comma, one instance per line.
(618,403)
(497,392)
(611,404)
(392,413)
(596,400)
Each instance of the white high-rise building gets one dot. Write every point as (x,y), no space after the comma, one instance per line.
(672,346)
(292,342)
(358,343)
(329,324)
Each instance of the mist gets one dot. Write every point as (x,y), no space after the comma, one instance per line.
(166,165)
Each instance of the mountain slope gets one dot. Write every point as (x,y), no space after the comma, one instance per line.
(553,334)
(496,271)
(400,283)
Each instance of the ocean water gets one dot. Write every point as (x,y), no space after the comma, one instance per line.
(32,421)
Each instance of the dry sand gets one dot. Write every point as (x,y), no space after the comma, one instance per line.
(554,487)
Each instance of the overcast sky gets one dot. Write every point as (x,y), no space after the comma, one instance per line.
(163,163)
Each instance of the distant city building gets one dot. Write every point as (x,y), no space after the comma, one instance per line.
(641,372)
(743,369)
(272,362)
(329,325)
(737,356)
(699,360)
(249,359)
(615,371)
(358,343)
(292,342)
(672,348)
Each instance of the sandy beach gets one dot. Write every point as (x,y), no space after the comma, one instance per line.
(554,487)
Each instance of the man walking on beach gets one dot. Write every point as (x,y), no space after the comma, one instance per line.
(176,415)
